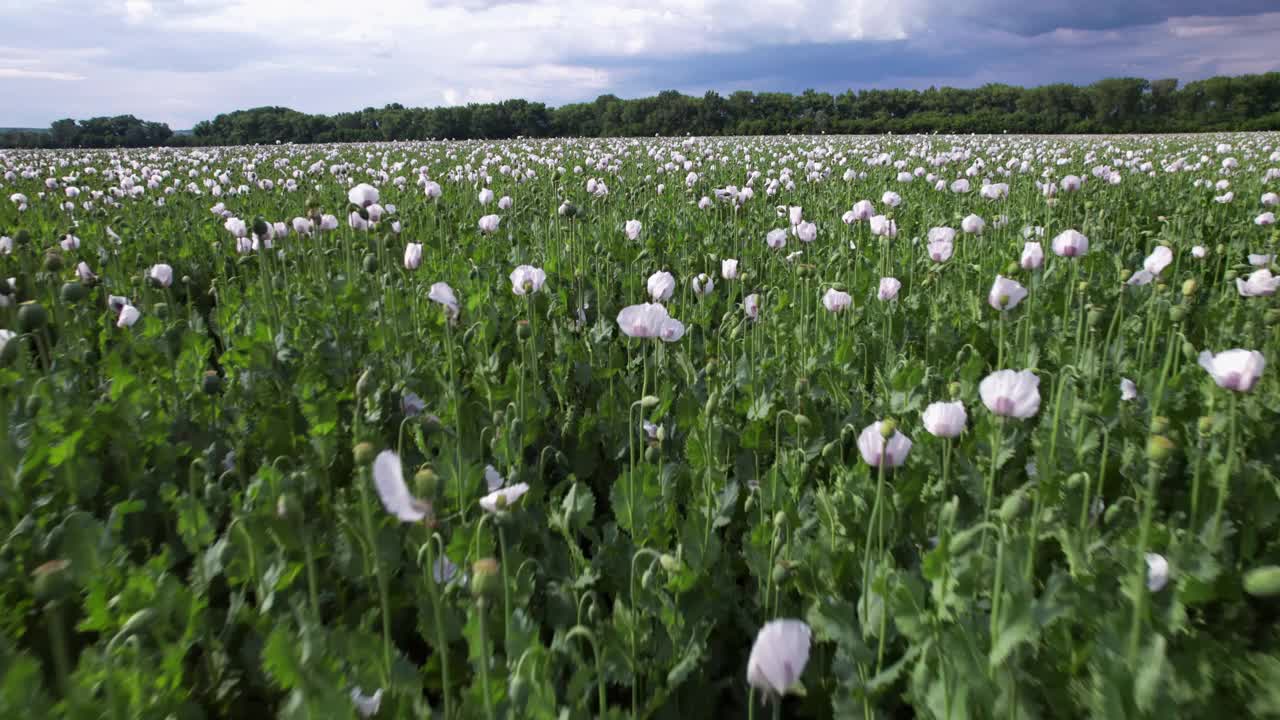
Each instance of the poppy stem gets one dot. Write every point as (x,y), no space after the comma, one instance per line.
(482,608)
(1228,461)
(442,645)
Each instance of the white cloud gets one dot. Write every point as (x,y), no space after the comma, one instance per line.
(23,74)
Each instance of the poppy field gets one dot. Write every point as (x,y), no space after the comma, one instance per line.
(810,427)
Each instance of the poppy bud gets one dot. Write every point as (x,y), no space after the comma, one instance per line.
(73,292)
(1012,507)
(211,383)
(1189,287)
(1124,274)
(53,261)
(647,579)
(426,483)
(1188,350)
(1159,424)
(138,622)
(1095,317)
(51,580)
(485,582)
(712,400)
(365,383)
(954,389)
(750,504)
(1082,286)
(370,262)
(1110,515)
(287,507)
(779,519)
(1159,448)
(1178,313)
(887,427)
(499,417)
(32,316)
(831,451)
(669,562)
(1221,249)
(1012,268)
(652,454)
(1263,581)
(363,453)
(1076,480)
(523,330)
(649,401)
(1229,275)
(802,421)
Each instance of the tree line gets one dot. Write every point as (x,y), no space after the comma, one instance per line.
(1246,102)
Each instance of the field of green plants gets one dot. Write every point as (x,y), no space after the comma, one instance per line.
(807,427)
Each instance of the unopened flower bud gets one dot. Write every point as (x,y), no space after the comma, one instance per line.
(1159,448)
(363,453)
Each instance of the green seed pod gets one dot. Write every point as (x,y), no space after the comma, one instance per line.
(485,581)
(32,316)
(1263,581)
(953,389)
(1159,448)
(780,573)
(1095,317)
(1189,287)
(1012,268)
(211,383)
(260,226)
(426,483)
(363,453)
(1205,425)
(370,263)
(9,350)
(1229,276)
(53,261)
(523,330)
(1159,424)
(1178,313)
(888,427)
(73,292)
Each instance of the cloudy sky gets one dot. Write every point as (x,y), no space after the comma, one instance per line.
(181,61)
